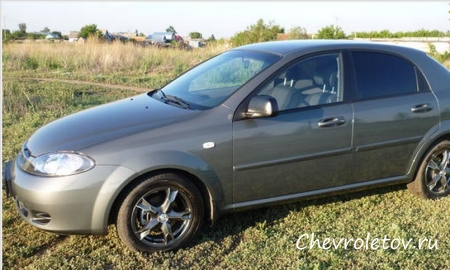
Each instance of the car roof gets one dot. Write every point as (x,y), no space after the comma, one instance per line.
(290,46)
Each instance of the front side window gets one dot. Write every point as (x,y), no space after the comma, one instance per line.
(309,82)
(210,83)
(380,75)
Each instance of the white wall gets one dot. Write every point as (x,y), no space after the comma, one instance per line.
(441,45)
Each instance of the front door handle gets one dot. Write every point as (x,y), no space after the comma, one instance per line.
(421,108)
(332,122)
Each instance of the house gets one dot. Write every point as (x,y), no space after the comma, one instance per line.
(112,37)
(282,36)
(51,36)
(73,36)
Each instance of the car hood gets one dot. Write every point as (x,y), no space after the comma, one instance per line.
(105,123)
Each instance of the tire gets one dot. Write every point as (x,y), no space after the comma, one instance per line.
(161,213)
(433,178)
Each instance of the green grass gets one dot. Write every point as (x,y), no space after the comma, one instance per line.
(259,239)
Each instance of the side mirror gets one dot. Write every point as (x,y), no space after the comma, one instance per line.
(262,106)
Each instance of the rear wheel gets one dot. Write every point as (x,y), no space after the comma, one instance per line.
(161,213)
(433,178)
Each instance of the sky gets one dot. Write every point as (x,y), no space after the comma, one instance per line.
(223,19)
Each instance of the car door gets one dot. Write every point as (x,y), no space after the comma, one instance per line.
(305,147)
(394,108)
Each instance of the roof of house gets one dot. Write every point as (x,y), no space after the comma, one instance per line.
(74,34)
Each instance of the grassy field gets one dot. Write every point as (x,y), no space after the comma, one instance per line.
(42,82)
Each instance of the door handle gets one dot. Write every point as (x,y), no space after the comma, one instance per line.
(332,122)
(421,108)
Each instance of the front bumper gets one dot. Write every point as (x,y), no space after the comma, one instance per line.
(76,204)
(8,175)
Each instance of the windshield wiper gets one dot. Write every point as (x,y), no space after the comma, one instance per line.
(179,101)
(174,100)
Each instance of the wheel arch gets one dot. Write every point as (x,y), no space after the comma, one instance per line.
(211,211)
(424,147)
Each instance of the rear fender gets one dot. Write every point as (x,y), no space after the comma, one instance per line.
(435,134)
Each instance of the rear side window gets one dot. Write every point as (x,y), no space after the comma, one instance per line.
(380,75)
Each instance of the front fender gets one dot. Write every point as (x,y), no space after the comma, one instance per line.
(177,160)
(170,160)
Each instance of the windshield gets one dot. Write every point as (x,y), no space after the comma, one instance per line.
(210,83)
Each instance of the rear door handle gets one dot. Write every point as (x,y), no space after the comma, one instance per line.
(332,122)
(421,108)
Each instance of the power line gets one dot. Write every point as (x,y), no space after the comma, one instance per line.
(19,22)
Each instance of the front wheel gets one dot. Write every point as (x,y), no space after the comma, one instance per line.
(433,178)
(161,213)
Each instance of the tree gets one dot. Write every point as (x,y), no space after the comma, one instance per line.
(17,34)
(297,33)
(34,36)
(388,34)
(23,28)
(258,32)
(90,31)
(57,34)
(45,30)
(331,32)
(171,29)
(212,38)
(6,35)
(195,35)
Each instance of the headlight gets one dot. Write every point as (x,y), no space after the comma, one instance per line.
(60,164)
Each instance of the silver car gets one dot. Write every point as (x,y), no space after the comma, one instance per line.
(256,125)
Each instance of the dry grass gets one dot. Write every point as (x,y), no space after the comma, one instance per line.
(99,57)
(111,63)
